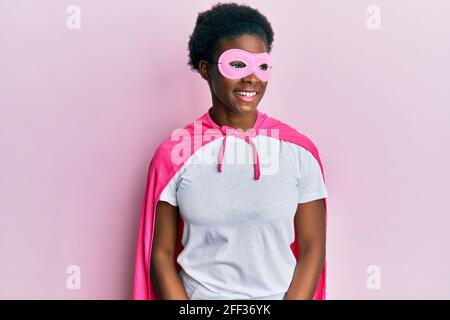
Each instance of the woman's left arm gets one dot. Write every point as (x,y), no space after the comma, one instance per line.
(310,230)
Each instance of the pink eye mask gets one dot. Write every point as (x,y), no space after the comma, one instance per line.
(244,64)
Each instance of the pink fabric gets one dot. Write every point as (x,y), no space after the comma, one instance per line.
(252,63)
(162,169)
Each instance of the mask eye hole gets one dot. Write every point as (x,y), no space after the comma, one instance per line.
(264,66)
(237,64)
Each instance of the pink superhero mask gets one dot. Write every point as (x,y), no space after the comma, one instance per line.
(244,64)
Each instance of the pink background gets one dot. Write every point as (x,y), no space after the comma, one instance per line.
(83,110)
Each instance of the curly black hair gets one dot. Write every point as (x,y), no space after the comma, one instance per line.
(225,21)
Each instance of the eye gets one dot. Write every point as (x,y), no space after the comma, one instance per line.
(264,66)
(237,64)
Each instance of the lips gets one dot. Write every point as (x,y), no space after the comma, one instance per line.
(247,89)
(246,95)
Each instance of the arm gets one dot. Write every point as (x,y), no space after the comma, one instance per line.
(166,280)
(310,229)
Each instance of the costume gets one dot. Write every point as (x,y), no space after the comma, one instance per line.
(248,62)
(177,152)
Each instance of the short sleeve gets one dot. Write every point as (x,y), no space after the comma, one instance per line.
(311,183)
(169,194)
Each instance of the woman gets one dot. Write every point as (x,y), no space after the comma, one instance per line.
(225,230)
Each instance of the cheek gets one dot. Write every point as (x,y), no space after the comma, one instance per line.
(228,85)
(263,89)
(224,87)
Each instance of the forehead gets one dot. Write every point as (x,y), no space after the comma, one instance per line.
(247,42)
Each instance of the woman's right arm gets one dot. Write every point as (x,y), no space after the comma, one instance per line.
(166,280)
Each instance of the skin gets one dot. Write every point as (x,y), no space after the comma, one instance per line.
(310,227)
(163,271)
(227,109)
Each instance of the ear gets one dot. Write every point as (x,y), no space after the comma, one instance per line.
(203,69)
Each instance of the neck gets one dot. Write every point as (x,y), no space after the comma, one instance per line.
(238,120)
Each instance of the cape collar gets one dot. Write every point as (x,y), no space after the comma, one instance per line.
(245,135)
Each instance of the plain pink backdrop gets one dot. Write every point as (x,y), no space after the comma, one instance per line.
(83,110)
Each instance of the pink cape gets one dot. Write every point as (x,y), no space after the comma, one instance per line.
(162,169)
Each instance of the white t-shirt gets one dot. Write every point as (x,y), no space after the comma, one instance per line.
(237,230)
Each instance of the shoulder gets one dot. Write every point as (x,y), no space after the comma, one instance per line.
(179,145)
(289,133)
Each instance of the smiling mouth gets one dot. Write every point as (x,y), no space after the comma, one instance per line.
(246,95)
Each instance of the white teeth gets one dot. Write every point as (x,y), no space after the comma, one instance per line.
(247,94)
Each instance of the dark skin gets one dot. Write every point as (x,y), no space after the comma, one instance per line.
(309,218)
(227,108)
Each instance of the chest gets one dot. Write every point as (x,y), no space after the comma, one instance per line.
(207,196)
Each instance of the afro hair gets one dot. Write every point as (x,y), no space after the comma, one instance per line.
(225,21)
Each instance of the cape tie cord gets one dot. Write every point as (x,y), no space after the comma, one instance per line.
(246,137)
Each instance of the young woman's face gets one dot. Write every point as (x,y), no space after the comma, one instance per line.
(223,90)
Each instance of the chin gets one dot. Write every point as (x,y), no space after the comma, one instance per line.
(246,106)
(250,107)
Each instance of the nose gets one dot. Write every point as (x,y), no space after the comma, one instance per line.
(251,78)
